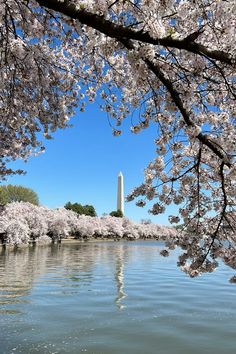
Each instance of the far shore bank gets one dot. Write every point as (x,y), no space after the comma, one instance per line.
(74,240)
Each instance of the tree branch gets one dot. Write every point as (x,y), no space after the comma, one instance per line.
(185,114)
(117,31)
(125,34)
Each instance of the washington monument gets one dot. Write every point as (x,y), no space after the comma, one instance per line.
(120,193)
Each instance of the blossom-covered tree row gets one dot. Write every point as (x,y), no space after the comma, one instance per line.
(23,222)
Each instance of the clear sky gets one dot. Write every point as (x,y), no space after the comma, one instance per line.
(81,164)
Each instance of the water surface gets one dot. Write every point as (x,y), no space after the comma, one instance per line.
(112,297)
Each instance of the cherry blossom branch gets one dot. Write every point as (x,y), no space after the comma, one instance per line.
(222,215)
(124,34)
(185,114)
(118,32)
(177,100)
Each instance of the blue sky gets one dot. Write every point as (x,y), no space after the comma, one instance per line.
(81,164)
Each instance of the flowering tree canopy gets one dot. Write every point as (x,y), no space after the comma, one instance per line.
(169,62)
(22,222)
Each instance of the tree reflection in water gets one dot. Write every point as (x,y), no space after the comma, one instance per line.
(22,268)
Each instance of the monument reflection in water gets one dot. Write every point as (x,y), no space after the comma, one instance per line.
(111,297)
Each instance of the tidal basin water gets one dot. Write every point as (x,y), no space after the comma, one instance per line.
(112,297)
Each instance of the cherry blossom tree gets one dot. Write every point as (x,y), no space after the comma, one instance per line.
(169,63)
(23,222)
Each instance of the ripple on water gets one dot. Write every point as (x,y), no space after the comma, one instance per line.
(112,298)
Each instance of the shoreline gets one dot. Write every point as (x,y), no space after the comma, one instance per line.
(74,240)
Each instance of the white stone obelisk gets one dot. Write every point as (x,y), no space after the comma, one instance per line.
(120,193)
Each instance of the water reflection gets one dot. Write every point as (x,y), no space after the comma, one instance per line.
(119,276)
(65,264)
(68,299)
(18,269)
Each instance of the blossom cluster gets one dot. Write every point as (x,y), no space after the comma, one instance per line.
(23,222)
